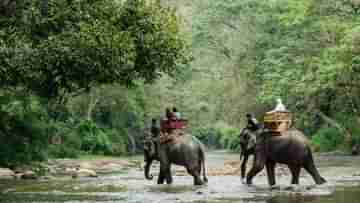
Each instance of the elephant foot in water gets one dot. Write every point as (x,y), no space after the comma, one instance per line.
(198,181)
(160,180)
(165,177)
(169,179)
(196,174)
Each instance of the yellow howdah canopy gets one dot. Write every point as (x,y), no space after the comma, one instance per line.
(278,121)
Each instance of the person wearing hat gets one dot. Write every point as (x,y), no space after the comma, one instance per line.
(252,123)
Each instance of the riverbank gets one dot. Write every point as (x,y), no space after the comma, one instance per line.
(85,166)
(95,165)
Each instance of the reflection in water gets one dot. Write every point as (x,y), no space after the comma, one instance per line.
(293,199)
(341,195)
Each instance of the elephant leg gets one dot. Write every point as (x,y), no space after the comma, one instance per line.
(161,178)
(270,170)
(295,172)
(163,173)
(195,172)
(258,165)
(311,169)
(169,178)
(243,166)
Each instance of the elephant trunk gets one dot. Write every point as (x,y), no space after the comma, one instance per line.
(147,170)
(242,151)
(241,154)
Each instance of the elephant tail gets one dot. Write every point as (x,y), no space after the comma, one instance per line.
(202,156)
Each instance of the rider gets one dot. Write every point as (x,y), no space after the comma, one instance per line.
(168,121)
(252,123)
(169,114)
(176,113)
(155,130)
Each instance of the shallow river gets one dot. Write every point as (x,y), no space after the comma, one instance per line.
(341,172)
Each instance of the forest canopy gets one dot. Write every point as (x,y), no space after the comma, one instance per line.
(57,47)
(93,73)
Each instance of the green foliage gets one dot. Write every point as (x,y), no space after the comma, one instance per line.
(56,49)
(208,136)
(70,146)
(301,53)
(327,139)
(75,46)
(246,54)
(23,130)
(229,136)
(220,136)
(93,139)
(351,123)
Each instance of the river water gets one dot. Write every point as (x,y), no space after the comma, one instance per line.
(341,172)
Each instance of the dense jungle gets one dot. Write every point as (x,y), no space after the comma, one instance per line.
(84,78)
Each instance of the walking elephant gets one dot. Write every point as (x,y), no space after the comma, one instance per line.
(186,151)
(291,148)
(247,146)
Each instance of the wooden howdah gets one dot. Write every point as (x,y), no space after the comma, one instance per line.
(278,122)
(166,125)
(172,129)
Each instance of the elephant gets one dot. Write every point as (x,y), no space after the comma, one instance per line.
(185,151)
(247,146)
(291,148)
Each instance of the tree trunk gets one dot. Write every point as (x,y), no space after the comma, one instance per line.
(91,107)
(132,143)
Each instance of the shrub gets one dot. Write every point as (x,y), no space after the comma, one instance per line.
(327,139)
(219,136)
(118,142)
(93,139)
(208,136)
(352,124)
(69,148)
(229,136)
(23,138)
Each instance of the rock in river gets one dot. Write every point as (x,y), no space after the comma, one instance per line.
(6,173)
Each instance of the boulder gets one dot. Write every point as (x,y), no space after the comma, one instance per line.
(83,172)
(86,165)
(68,171)
(28,175)
(6,173)
(109,168)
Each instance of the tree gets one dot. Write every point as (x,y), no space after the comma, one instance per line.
(51,50)
(61,47)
